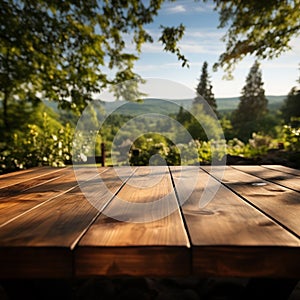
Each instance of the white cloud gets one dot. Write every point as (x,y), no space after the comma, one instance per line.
(188,6)
(193,48)
(152,48)
(199,9)
(186,48)
(200,48)
(207,33)
(189,45)
(176,9)
(155,67)
(275,65)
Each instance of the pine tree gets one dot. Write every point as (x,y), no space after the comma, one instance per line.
(204,89)
(183,116)
(291,107)
(253,105)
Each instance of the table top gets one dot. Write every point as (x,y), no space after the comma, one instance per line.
(150,221)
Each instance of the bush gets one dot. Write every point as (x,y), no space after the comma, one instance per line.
(36,146)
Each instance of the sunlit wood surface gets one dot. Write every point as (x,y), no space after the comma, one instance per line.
(150,222)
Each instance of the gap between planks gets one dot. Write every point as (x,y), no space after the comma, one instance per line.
(115,247)
(289,225)
(46,199)
(18,177)
(51,230)
(286,180)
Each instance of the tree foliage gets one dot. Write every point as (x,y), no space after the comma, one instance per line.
(39,140)
(169,38)
(62,50)
(291,107)
(252,106)
(260,28)
(204,89)
(200,125)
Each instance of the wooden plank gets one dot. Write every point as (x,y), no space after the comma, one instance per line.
(247,261)
(30,183)
(12,174)
(227,219)
(278,202)
(230,237)
(283,169)
(35,262)
(284,179)
(123,241)
(10,179)
(51,231)
(135,261)
(13,205)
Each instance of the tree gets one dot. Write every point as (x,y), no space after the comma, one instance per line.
(252,106)
(203,126)
(60,50)
(37,137)
(260,28)
(183,116)
(291,107)
(204,89)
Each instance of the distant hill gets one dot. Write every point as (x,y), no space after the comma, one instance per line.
(229,104)
(155,105)
(275,102)
(152,105)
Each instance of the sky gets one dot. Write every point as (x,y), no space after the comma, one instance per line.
(202,42)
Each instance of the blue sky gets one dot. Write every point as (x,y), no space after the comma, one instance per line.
(202,43)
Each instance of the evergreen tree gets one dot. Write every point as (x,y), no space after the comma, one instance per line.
(291,107)
(204,89)
(183,116)
(252,108)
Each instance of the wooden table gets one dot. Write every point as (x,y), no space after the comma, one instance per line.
(251,227)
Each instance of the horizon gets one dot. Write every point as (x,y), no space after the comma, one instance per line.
(160,88)
(182,99)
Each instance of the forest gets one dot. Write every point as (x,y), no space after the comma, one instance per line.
(52,63)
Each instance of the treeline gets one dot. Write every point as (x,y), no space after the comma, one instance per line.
(40,136)
(64,51)
(252,133)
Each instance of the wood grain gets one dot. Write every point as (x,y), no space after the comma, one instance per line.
(22,187)
(10,179)
(13,205)
(228,233)
(223,261)
(227,219)
(285,179)
(283,169)
(54,228)
(113,223)
(134,261)
(17,173)
(278,202)
(157,247)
